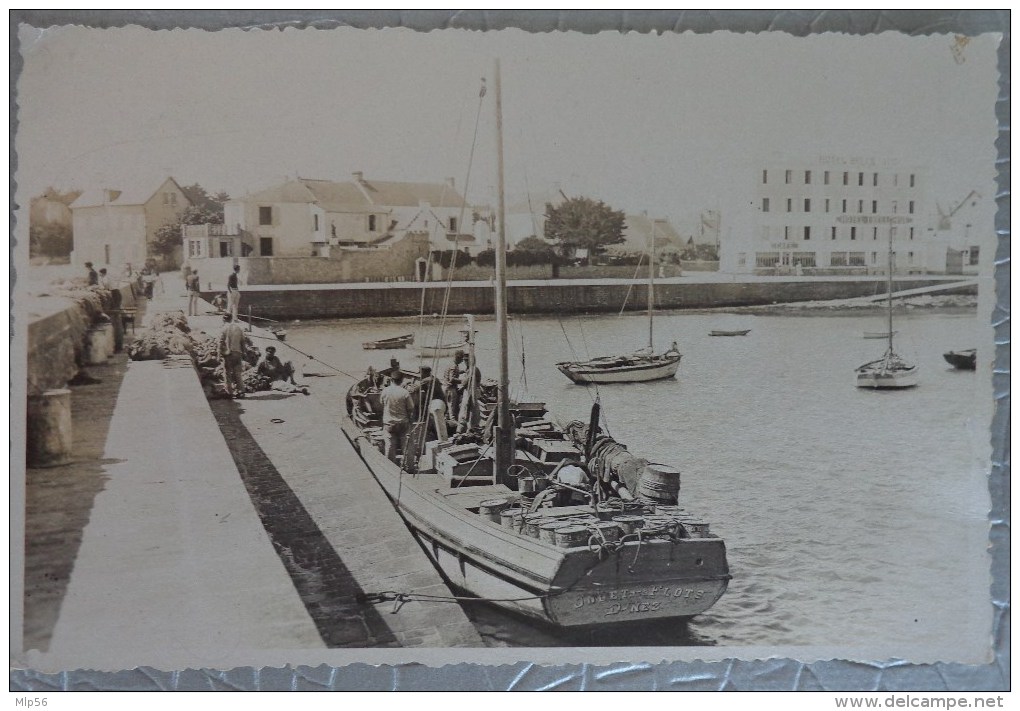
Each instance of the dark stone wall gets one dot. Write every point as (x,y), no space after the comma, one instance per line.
(557,297)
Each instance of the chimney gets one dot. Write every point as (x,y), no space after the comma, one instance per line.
(359,177)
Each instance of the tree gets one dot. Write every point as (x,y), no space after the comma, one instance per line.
(583,223)
(532,250)
(200,198)
(50,239)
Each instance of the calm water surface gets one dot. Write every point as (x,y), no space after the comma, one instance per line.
(851,517)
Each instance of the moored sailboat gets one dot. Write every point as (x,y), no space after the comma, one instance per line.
(891,371)
(561,524)
(638,367)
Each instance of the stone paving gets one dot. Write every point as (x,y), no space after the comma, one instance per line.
(193,552)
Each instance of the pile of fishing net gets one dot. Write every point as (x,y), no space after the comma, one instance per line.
(168,334)
(212,373)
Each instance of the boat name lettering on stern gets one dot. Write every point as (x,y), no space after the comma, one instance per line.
(624,600)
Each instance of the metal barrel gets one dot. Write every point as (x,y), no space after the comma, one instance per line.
(609,530)
(629,524)
(659,484)
(572,536)
(547,530)
(492,508)
(511,518)
(532,525)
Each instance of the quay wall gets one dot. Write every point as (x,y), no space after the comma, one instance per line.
(408,299)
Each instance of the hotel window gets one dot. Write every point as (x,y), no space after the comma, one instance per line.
(766,259)
(910,207)
(764,176)
(974,255)
(826,204)
(844,206)
(846,178)
(789,176)
(853,233)
(371,223)
(807,204)
(860,178)
(895,207)
(786,232)
(807,232)
(825,177)
(807,177)
(837,259)
(911,180)
(764,204)
(860,207)
(265,215)
(789,204)
(910,257)
(453,224)
(855,259)
(741,259)
(874,233)
(833,233)
(874,257)
(874,179)
(874,207)
(911,233)
(806,259)
(266,246)
(315,225)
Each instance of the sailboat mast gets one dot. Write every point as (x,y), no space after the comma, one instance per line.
(651,286)
(890,290)
(504,426)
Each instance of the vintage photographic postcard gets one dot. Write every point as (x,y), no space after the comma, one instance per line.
(339,345)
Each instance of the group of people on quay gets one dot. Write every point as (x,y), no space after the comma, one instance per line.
(428,400)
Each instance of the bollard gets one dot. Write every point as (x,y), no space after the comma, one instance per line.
(117,322)
(96,350)
(49,437)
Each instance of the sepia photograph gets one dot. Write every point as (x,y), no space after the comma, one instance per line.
(340,345)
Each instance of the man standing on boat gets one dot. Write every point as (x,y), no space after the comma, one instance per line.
(453,382)
(430,402)
(398,411)
(234,291)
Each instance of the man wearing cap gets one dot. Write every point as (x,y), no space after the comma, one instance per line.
(398,411)
(273,368)
(231,351)
(234,291)
(92,275)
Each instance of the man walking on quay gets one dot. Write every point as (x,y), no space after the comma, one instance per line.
(398,411)
(234,291)
(93,277)
(231,351)
(193,288)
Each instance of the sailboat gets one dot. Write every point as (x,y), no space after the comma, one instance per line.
(560,524)
(638,367)
(890,371)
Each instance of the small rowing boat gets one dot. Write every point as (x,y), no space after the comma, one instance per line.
(386,344)
(962,360)
(730,333)
(878,334)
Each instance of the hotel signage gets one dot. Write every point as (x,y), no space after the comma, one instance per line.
(873,220)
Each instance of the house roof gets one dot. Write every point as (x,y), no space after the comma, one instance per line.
(342,197)
(637,229)
(133,195)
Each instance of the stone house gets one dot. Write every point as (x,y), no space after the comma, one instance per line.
(305,217)
(116,227)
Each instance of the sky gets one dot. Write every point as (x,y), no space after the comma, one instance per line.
(670,124)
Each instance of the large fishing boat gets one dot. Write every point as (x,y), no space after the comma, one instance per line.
(559,523)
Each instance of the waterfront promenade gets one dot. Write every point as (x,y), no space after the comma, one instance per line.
(188,533)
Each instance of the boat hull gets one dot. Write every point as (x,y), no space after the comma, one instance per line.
(658,368)
(961,360)
(441,351)
(575,587)
(730,333)
(389,343)
(887,379)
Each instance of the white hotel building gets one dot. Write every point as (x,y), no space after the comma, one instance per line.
(833,215)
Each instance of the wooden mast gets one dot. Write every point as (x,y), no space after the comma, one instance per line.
(504,427)
(651,288)
(889,289)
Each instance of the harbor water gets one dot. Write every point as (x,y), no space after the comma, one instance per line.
(851,517)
